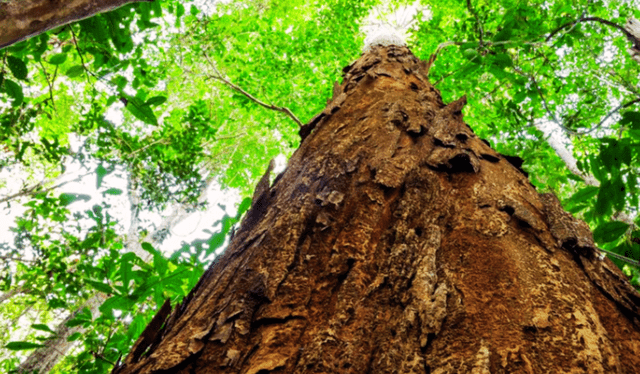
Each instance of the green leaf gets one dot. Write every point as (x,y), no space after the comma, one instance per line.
(584,194)
(503,60)
(160,263)
(156,100)
(244,206)
(102,287)
(632,119)
(58,59)
(75,336)
(42,327)
(101,172)
(470,53)
(22,346)
(75,71)
(83,317)
(18,67)
(503,35)
(115,302)
(140,110)
(14,91)
(69,198)
(113,191)
(179,10)
(609,231)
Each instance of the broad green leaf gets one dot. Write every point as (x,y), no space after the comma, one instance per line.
(609,231)
(470,53)
(101,172)
(18,67)
(156,100)
(113,191)
(115,302)
(244,206)
(100,286)
(632,119)
(22,346)
(74,337)
(69,198)
(14,91)
(75,71)
(58,59)
(141,110)
(42,327)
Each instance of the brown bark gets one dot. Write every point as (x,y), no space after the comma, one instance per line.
(21,19)
(398,242)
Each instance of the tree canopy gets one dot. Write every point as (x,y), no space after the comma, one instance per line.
(154,105)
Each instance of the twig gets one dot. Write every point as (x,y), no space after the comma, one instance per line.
(32,190)
(475,15)
(584,19)
(75,42)
(433,57)
(621,106)
(9,258)
(219,77)
(621,258)
(46,77)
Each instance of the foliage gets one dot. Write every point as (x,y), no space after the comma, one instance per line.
(137,92)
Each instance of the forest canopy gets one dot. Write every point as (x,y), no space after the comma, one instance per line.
(119,128)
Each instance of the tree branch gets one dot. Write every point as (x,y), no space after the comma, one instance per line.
(21,19)
(478,23)
(433,57)
(218,76)
(33,190)
(591,19)
(615,110)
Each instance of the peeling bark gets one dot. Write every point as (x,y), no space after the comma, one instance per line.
(397,241)
(21,19)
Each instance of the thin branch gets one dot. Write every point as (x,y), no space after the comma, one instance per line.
(34,191)
(615,110)
(10,258)
(219,77)
(544,101)
(75,42)
(621,257)
(593,19)
(46,77)
(479,24)
(433,57)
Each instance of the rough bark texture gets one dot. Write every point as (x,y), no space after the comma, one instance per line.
(398,242)
(21,19)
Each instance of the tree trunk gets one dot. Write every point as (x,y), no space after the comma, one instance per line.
(397,241)
(21,19)
(42,360)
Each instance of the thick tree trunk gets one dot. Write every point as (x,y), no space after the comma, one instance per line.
(21,19)
(398,242)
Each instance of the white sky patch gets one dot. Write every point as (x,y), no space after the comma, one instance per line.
(392,26)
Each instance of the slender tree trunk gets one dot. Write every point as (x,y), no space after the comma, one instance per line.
(42,360)
(21,19)
(398,242)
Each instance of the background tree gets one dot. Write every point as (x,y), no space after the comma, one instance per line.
(143,112)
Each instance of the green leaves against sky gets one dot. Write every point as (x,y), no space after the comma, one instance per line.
(134,93)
